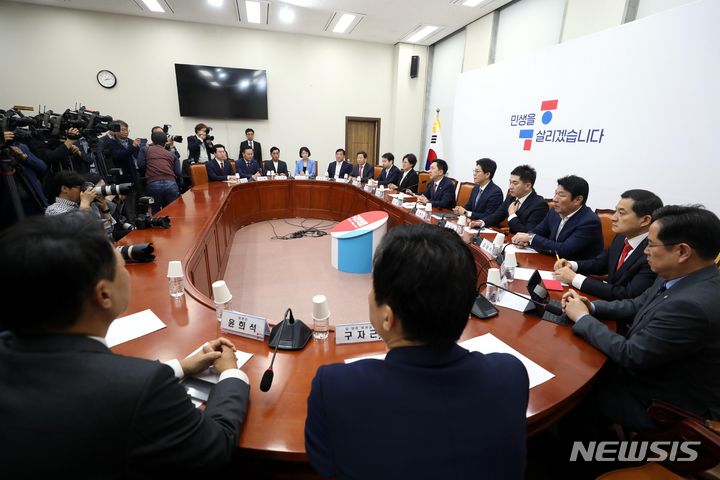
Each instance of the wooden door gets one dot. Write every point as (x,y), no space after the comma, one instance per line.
(362,134)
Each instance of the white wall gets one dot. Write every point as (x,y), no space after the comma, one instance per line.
(313,82)
(527,26)
(408,101)
(583,17)
(651,7)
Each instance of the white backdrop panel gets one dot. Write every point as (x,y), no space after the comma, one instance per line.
(650,85)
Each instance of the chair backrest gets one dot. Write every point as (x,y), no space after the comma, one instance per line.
(377,172)
(198,174)
(423,181)
(464,193)
(605,216)
(233,165)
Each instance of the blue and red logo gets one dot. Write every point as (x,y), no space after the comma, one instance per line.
(546,107)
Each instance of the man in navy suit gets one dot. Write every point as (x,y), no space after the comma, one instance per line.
(362,170)
(339,168)
(219,169)
(571,229)
(64,393)
(390,173)
(430,409)
(275,164)
(250,142)
(486,197)
(441,191)
(624,262)
(522,208)
(246,166)
(672,350)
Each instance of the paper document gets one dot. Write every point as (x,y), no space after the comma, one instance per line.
(526,273)
(132,326)
(379,356)
(513,302)
(515,249)
(409,204)
(211,375)
(488,343)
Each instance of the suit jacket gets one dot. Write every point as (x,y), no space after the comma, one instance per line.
(311,167)
(531,212)
(672,350)
(214,172)
(490,199)
(387,178)
(410,181)
(443,196)
(580,238)
(629,281)
(92,413)
(345,169)
(405,400)
(123,158)
(281,170)
(367,172)
(244,170)
(194,144)
(257,150)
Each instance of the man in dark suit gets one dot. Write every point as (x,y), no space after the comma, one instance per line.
(390,173)
(403,399)
(571,229)
(246,166)
(485,197)
(362,170)
(250,142)
(624,262)
(522,208)
(200,147)
(275,164)
(441,191)
(672,350)
(219,169)
(339,168)
(66,396)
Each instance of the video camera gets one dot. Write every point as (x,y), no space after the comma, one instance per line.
(105,190)
(176,138)
(17,123)
(208,137)
(145,218)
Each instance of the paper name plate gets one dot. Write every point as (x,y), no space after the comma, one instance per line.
(355,333)
(249,326)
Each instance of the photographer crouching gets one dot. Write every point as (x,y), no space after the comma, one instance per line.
(162,169)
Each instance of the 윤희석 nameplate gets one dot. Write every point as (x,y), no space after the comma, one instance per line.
(244,325)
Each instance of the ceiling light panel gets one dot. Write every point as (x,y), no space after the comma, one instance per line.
(154,6)
(256,12)
(343,22)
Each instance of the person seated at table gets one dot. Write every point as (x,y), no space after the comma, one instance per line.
(571,229)
(219,169)
(339,168)
(390,173)
(443,412)
(672,350)
(68,403)
(624,262)
(275,164)
(441,191)
(247,167)
(362,170)
(306,165)
(485,197)
(523,208)
(409,181)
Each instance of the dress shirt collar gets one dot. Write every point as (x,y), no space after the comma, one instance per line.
(99,339)
(567,217)
(637,240)
(521,200)
(66,203)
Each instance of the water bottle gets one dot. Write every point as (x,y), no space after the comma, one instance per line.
(492,293)
(176,279)
(222,298)
(507,269)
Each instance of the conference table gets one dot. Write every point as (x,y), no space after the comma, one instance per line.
(204,220)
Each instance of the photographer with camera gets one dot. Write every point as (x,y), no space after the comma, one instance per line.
(169,146)
(27,165)
(200,146)
(162,170)
(123,152)
(73,193)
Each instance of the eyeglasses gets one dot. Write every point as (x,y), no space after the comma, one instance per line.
(475,172)
(649,245)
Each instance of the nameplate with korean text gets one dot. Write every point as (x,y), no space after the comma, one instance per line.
(355,333)
(249,326)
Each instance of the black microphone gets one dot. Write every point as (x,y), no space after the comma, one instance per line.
(267,377)
(550,308)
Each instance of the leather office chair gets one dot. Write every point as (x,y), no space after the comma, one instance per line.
(605,216)
(423,181)
(377,172)
(464,193)
(198,174)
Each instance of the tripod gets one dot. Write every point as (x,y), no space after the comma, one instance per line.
(11,170)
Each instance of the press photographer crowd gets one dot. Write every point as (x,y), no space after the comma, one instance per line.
(80,160)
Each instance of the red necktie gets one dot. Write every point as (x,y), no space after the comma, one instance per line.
(623,255)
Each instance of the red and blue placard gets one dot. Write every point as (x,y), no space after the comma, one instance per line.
(355,239)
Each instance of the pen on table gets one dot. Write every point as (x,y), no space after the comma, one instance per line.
(557,256)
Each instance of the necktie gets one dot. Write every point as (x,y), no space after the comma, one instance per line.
(222,166)
(623,255)
(477,199)
(434,189)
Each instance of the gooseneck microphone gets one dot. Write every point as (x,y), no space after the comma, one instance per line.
(549,308)
(267,377)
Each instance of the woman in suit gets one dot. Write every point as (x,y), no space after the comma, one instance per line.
(409,179)
(306,165)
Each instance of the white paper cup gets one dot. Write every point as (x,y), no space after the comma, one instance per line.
(428,207)
(462,220)
(499,240)
(320,308)
(494,276)
(510,260)
(175,269)
(221,292)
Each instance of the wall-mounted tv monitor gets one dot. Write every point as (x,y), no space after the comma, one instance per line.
(221,92)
